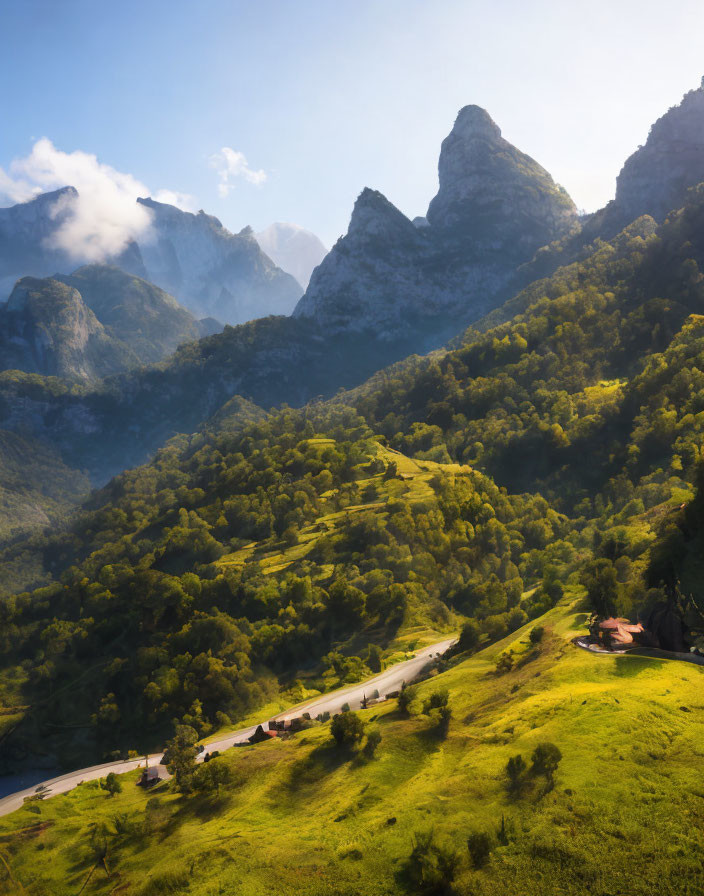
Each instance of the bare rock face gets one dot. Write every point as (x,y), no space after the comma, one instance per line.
(211,271)
(656,178)
(492,196)
(47,328)
(422,280)
(373,275)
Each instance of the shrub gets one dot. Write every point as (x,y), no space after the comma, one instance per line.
(505,662)
(442,718)
(405,699)
(430,868)
(505,832)
(111,783)
(516,773)
(208,778)
(436,700)
(479,845)
(373,741)
(347,729)
(546,758)
(536,634)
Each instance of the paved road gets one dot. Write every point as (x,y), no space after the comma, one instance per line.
(386,682)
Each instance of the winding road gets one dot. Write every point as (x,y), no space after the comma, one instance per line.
(385,682)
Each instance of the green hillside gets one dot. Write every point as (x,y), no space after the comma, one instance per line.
(304,816)
(267,551)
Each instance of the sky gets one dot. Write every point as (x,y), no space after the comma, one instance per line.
(284,110)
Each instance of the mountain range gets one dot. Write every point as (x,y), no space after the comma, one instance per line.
(212,272)
(389,288)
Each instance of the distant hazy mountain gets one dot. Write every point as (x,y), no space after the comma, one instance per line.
(293,249)
(211,271)
(494,209)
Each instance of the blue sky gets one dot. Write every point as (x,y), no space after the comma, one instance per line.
(325,98)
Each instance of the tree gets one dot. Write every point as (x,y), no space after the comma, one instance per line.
(375,658)
(600,579)
(536,634)
(347,729)
(469,636)
(405,698)
(181,756)
(479,845)
(111,783)
(546,758)
(515,772)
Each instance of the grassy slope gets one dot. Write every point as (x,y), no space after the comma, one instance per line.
(624,815)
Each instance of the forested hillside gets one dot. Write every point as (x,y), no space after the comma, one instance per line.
(236,553)
(242,553)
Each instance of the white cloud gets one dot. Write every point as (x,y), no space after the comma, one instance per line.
(231,165)
(105,216)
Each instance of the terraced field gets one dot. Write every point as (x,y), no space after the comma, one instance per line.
(412,484)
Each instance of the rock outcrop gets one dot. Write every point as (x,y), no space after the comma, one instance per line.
(46,328)
(423,280)
(493,197)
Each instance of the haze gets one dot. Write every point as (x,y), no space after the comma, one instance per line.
(283,111)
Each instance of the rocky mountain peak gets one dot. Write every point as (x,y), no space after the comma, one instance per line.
(655,179)
(491,195)
(421,280)
(473,122)
(373,217)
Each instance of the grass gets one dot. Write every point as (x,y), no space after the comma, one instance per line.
(624,817)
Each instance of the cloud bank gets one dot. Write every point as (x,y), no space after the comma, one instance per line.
(232,165)
(103,219)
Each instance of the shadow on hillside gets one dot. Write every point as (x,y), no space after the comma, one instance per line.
(630,666)
(309,772)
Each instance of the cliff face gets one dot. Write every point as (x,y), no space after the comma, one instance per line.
(211,271)
(656,178)
(424,280)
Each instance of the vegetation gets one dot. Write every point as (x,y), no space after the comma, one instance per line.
(317,820)
(347,729)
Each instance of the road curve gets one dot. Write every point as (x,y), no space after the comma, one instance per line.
(385,682)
